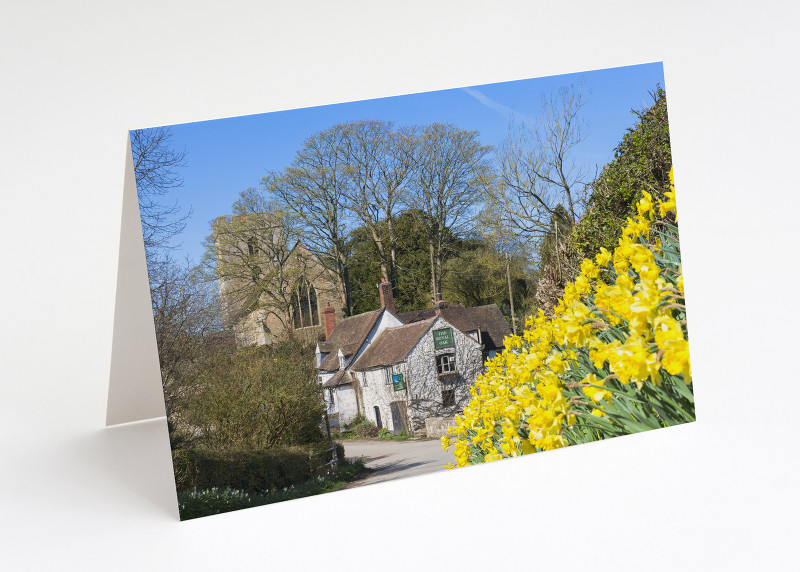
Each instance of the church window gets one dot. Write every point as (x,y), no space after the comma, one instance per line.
(304,305)
(252,247)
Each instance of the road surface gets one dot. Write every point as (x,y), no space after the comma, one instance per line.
(389,460)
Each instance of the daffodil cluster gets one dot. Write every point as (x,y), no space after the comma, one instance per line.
(613,358)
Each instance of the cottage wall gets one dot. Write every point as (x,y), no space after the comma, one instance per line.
(375,390)
(344,403)
(427,387)
(328,392)
(378,391)
(341,404)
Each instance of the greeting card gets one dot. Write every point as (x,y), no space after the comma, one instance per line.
(355,293)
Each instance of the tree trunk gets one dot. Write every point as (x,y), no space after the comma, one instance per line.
(511,295)
(439,269)
(571,206)
(434,286)
(348,295)
(558,260)
(310,310)
(378,241)
(392,250)
(344,285)
(299,305)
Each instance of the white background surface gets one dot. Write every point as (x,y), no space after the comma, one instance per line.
(717,494)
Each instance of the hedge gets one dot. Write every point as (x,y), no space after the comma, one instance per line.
(257,471)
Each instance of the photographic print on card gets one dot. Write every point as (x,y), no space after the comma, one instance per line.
(361,292)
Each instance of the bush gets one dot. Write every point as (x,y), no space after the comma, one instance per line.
(257,398)
(384,433)
(366,430)
(358,420)
(363,427)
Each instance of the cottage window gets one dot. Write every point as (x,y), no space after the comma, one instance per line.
(445,363)
(449,397)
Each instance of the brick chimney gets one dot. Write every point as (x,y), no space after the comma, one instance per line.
(328,319)
(387,297)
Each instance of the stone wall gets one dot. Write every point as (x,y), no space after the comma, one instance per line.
(436,427)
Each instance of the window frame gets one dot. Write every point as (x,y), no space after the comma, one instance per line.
(446,367)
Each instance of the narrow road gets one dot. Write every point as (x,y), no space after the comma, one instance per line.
(389,460)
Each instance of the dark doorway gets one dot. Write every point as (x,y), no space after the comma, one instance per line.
(398,409)
(378,418)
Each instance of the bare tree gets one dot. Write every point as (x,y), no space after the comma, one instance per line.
(250,254)
(312,189)
(156,164)
(536,168)
(379,161)
(187,315)
(512,246)
(451,175)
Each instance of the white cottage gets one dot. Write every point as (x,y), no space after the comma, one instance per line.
(400,370)
(346,342)
(416,371)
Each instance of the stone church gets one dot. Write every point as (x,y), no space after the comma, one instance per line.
(270,289)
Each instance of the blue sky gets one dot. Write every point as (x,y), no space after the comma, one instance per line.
(226,156)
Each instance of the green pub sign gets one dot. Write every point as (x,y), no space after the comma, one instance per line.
(443,338)
(398,382)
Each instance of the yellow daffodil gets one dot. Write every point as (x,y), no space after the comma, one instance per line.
(523,391)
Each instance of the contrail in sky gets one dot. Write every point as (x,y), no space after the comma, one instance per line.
(493,105)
